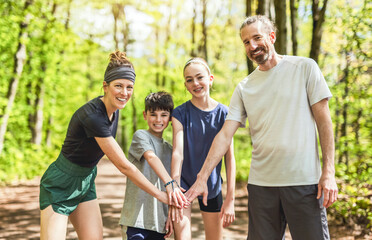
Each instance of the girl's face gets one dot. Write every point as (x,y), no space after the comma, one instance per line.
(197,80)
(118,93)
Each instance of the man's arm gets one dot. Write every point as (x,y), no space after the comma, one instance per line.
(327,183)
(220,145)
(228,210)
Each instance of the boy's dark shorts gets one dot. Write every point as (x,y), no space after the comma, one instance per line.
(65,184)
(134,233)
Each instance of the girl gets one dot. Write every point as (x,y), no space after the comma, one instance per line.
(67,189)
(195,124)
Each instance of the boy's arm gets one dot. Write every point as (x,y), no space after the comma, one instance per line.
(158,167)
(228,210)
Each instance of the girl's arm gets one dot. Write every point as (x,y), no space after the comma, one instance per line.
(177,155)
(116,155)
(228,211)
(173,191)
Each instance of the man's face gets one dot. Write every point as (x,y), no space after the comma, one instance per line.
(258,42)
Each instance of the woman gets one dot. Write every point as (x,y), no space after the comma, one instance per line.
(67,189)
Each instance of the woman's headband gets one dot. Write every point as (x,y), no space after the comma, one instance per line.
(120,73)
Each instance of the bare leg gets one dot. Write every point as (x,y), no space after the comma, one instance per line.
(212,225)
(52,225)
(182,230)
(87,220)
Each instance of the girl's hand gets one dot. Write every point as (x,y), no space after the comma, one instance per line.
(175,214)
(227,213)
(169,224)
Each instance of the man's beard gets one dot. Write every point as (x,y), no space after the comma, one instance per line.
(262,57)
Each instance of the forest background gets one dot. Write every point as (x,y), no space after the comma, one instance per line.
(53,54)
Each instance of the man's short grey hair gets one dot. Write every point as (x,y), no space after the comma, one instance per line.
(269,24)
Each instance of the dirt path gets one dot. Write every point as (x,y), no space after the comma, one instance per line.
(19,212)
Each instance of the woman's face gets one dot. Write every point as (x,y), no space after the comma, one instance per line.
(118,93)
(197,80)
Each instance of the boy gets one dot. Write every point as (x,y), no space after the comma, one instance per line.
(142,216)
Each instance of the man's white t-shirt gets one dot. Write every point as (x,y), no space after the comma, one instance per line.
(278,104)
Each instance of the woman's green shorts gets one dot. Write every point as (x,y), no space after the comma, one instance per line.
(65,184)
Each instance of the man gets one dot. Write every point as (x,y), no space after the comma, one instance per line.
(285,100)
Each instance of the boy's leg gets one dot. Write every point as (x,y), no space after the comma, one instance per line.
(87,220)
(52,225)
(266,217)
(182,230)
(211,217)
(306,216)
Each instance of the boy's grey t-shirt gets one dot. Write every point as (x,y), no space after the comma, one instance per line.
(140,209)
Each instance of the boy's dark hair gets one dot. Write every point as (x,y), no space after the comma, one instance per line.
(159,101)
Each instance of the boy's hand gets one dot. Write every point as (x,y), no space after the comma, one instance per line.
(176,196)
(163,197)
(227,213)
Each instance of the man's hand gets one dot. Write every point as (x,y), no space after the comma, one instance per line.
(327,185)
(198,188)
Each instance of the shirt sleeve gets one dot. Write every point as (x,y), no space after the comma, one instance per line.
(316,86)
(177,113)
(96,126)
(236,108)
(141,143)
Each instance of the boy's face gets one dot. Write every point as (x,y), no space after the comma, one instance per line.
(157,121)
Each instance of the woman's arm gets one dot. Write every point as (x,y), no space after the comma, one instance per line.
(228,209)
(116,155)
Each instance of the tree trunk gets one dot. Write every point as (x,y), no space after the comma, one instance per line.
(294,26)
(38,118)
(115,8)
(125,30)
(263,7)
(166,44)
(249,13)
(157,55)
(19,60)
(343,131)
(134,114)
(193,31)
(318,20)
(204,50)
(281,22)
(48,137)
